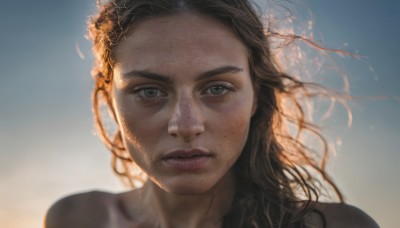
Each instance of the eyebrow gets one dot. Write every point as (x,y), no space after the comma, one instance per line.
(167,79)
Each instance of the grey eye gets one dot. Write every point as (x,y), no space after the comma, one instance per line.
(217,90)
(151,92)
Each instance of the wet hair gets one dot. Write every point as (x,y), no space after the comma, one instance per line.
(279,177)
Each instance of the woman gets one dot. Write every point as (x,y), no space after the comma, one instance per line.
(202,109)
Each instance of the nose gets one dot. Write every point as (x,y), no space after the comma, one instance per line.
(186,121)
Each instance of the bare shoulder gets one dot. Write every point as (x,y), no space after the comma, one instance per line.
(89,209)
(344,215)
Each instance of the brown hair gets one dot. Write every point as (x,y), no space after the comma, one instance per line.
(276,170)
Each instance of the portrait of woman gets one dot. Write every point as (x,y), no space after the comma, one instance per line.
(199,113)
(202,108)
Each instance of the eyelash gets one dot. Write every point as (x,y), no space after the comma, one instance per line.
(140,93)
(228,89)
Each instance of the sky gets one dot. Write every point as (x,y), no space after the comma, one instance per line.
(49,149)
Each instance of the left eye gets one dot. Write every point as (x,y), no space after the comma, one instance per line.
(218,90)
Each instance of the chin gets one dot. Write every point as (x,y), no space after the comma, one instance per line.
(187,185)
(194,184)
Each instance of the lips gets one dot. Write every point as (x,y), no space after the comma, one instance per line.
(185,154)
(187,160)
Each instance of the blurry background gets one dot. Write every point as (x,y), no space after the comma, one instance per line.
(48,148)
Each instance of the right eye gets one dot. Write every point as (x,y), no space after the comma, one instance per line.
(149,93)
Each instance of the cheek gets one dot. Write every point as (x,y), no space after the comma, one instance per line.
(141,131)
(132,140)
(234,138)
(127,122)
(135,128)
(140,138)
(237,129)
(234,124)
(135,123)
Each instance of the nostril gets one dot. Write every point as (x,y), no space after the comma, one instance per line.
(187,130)
(172,130)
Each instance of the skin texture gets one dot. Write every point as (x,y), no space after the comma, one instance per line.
(205,101)
(186,112)
(105,210)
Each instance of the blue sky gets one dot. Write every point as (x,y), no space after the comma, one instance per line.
(48,147)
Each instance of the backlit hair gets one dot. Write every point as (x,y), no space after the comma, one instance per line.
(279,177)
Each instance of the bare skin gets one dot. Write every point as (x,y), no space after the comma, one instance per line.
(105,210)
(181,85)
(190,90)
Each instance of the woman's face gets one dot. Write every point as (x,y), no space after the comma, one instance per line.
(183,98)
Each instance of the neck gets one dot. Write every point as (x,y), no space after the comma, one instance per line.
(199,210)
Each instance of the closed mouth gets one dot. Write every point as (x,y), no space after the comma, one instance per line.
(187,160)
(186,154)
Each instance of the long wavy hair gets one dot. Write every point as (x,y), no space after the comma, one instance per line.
(279,177)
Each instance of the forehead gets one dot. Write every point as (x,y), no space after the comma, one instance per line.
(185,39)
